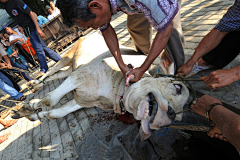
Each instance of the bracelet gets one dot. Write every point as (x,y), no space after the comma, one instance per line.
(207,111)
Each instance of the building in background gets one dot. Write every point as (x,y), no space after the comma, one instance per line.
(5,19)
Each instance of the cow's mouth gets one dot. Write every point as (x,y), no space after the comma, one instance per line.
(147,110)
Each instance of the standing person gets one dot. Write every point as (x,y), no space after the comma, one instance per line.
(17,59)
(9,64)
(27,19)
(54,8)
(163,15)
(2,39)
(5,83)
(51,13)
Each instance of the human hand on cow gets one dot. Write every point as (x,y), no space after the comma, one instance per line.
(184,69)
(137,74)
(203,103)
(220,78)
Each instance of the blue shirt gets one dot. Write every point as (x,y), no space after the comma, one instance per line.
(42,20)
(231,20)
(159,13)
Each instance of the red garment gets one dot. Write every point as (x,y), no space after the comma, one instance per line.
(27,45)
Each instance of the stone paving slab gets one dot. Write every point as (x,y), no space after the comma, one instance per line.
(66,138)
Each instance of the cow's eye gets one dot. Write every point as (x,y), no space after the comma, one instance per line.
(178,88)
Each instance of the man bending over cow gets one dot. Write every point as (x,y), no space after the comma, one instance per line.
(142,16)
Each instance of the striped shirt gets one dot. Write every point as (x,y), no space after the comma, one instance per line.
(159,13)
(231,20)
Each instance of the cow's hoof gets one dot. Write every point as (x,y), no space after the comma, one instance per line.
(33,117)
(47,102)
(34,82)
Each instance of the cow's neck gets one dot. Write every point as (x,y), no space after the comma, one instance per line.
(119,89)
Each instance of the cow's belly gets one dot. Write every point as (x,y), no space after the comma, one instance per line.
(100,86)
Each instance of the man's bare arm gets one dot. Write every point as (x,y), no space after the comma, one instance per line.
(208,43)
(35,21)
(158,45)
(7,61)
(227,121)
(222,77)
(15,40)
(112,43)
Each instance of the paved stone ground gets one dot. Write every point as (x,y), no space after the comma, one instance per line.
(64,138)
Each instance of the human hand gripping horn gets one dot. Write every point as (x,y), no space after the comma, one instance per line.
(130,76)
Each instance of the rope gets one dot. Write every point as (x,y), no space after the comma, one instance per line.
(190,127)
(13,100)
(8,107)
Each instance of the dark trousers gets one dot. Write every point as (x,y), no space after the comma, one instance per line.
(225,52)
(41,49)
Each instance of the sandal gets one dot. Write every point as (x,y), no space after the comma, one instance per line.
(22,98)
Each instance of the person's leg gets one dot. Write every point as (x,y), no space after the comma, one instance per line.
(9,90)
(25,64)
(6,80)
(141,32)
(225,52)
(176,41)
(50,53)
(37,45)
(25,75)
(18,66)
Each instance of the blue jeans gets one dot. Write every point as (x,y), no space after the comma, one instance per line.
(7,86)
(23,66)
(26,76)
(41,49)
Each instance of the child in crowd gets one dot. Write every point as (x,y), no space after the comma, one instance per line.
(17,60)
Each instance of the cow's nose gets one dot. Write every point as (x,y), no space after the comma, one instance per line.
(171,114)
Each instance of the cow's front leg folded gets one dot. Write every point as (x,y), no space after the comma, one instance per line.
(52,98)
(60,112)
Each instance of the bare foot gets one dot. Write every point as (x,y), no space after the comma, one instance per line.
(216,133)
(4,137)
(10,123)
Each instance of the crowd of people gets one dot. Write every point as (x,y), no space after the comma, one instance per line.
(25,38)
(217,49)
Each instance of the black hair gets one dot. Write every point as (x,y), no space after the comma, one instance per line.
(75,9)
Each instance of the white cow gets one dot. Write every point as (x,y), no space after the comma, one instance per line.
(97,82)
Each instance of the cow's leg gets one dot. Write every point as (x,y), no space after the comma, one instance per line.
(65,61)
(60,74)
(60,112)
(72,82)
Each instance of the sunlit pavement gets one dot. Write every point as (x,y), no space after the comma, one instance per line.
(61,138)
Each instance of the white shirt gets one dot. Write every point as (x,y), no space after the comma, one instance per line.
(51,16)
(19,35)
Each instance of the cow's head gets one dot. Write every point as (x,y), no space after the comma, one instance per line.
(154,101)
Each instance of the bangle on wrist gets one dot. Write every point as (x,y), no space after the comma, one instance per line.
(207,111)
